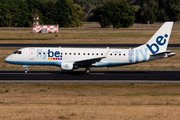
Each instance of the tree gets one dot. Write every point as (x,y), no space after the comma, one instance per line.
(157,10)
(24,19)
(148,11)
(5,16)
(175,12)
(161,15)
(19,12)
(96,16)
(67,13)
(148,16)
(117,13)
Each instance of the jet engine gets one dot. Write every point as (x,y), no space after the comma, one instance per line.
(66,66)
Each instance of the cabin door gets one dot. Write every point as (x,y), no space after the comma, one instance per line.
(31,53)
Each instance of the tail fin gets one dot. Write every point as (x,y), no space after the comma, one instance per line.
(159,41)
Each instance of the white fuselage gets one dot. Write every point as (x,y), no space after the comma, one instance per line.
(55,56)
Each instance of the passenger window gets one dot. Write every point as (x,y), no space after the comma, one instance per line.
(124,54)
(69,53)
(74,53)
(101,53)
(78,53)
(115,54)
(96,53)
(88,53)
(92,53)
(83,53)
(119,54)
(111,54)
(39,52)
(65,53)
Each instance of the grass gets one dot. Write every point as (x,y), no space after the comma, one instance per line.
(42,90)
(138,33)
(63,117)
(6,91)
(101,101)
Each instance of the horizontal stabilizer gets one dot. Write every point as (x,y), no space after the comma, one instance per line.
(168,53)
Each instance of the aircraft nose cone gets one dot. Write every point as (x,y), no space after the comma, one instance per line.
(7,59)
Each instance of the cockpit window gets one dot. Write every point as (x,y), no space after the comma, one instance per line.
(17,52)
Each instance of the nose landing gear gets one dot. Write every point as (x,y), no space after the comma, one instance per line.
(26,68)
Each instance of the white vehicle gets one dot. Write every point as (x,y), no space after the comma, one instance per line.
(74,58)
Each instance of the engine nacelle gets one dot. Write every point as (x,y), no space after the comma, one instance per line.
(66,66)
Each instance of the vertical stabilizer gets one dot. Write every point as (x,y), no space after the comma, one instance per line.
(159,41)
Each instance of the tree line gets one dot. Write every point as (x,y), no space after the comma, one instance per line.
(71,13)
(157,10)
(145,10)
(19,12)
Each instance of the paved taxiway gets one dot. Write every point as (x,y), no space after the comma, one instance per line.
(80,45)
(93,77)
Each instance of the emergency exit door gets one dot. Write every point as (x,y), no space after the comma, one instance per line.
(31,53)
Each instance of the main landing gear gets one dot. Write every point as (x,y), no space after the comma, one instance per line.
(87,70)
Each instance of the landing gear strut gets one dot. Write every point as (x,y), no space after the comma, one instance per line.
(87,70)
(26,68)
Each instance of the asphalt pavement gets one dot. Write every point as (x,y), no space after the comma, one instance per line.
(94,76)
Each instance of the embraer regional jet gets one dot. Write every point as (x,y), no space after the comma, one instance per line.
(74,58)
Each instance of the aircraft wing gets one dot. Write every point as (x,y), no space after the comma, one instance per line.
(88,62)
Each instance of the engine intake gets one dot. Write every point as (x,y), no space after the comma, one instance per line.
(66,66)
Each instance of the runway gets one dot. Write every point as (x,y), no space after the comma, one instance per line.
(93,77)
(80,45)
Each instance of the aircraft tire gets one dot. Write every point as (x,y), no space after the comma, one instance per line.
(87,70)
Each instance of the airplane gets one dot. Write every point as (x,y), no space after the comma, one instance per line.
(69,59)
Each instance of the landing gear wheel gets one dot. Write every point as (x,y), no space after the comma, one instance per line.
(87,70)
(26,69)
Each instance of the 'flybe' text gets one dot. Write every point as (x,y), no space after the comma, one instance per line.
(50,54)
(159,41)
